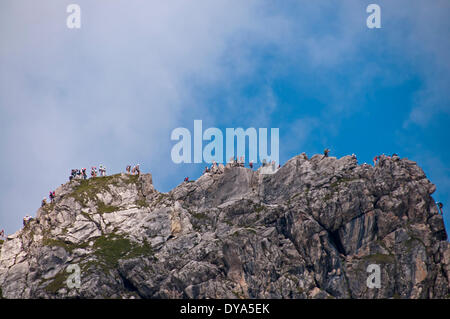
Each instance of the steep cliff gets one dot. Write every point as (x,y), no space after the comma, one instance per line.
(308,231)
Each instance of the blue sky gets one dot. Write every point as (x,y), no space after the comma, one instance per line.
(113,91)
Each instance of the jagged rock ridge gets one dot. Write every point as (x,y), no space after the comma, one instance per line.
(308,231)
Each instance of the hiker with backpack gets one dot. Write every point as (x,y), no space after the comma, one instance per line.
(102,170)
(375,159)
(83,172)
(73,174)
(52,196)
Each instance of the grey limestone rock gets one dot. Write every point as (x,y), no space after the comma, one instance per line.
(308,231)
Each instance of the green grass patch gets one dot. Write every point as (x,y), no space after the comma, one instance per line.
(132,179)
(58,282)
(201,216)
(69,247)
(380,258)
(109,249)
(104,209)
(160,198)
(252,230)
(238,295)
(87,189)
(334,186)
(228,222)
(48,207)
(258,208)
(142,203)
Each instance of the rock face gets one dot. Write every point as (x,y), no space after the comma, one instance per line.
(308,231)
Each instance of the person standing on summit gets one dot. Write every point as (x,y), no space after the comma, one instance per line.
(102,170)
(326,152)
(440,206)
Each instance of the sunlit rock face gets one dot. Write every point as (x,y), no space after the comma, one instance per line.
(308,231)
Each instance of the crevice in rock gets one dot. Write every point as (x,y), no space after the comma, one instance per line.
(336,241)
(128,285)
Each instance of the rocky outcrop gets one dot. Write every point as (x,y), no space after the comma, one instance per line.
(308,231)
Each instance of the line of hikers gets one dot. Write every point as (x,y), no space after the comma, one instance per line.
(78,174)
(133,171)
(51,196)
(234,162)
(82,173)
(26,220)
(377,158)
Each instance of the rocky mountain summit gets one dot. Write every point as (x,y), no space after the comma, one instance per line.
(308,231)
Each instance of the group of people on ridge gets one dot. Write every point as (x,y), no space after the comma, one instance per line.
(82,173)
(377,158)
(78,173)
(133,171)
(215,168)
(234,162)
(101,171)
(26,220)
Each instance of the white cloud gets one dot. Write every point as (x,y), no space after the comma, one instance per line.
(112,91)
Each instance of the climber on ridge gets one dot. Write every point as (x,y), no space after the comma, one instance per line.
(52,196)
(128,169)
(93,171)
(137,169)
(186,179)
(26,219)
(73,173)
(440,206)
(326,152)
(83,172)
(102,170)
(44,202)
